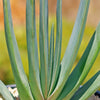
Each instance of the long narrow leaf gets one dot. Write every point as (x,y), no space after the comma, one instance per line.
(4,92)
(88,88)
(93,54)
(17,67)
(57,56)
(34,77)
(43,42)
(73,46)
(89,62)
(51,57)
(74,77)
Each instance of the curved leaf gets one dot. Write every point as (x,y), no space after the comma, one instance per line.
(34,77)
(4,92)
(43,43)
(72,49)
(76,73)
(93,54)
(17,67)
(88,88)
(89,62)
(56,65)
(51,57)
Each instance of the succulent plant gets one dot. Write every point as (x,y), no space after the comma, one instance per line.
(52,79)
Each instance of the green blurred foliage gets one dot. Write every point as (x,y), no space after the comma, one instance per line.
(20,31)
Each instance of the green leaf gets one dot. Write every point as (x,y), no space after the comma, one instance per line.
(89,62)
(92,55)
(57,56)
(34,77)
(51,57)
(4,92)
(43,43)
(17,67)
(88,88)
(72,49)
(76,73)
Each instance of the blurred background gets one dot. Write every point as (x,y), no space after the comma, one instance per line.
(69,11)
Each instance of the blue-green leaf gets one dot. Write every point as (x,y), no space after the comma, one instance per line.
(89,62)
(17,67)
(43,43)
(4,92)
(73,47)
(88,88)
(73,78)
(57,56)
(92,55)
(34,75)
(51,57)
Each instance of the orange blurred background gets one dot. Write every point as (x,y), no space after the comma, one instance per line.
(69,10)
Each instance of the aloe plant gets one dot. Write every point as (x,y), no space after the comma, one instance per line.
(53,79)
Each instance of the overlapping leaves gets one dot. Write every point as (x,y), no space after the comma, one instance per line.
(53,80)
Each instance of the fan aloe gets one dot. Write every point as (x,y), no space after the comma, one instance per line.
(52,80)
